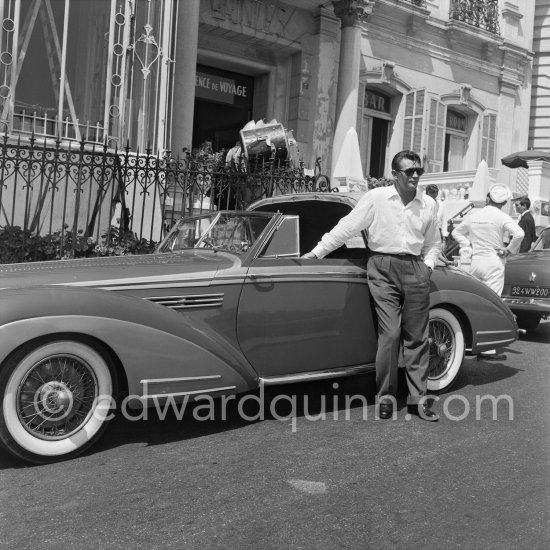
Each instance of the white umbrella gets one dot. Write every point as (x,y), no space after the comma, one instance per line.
(481,184)
(348,163)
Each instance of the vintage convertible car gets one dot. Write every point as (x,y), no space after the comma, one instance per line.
(527,283)
(224,306)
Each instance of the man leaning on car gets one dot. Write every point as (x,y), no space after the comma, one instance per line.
(404,243)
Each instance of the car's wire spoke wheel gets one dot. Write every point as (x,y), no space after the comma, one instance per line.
(56,399)
(446,349)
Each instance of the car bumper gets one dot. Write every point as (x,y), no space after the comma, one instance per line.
(528,304)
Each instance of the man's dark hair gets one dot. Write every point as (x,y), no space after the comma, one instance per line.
(406,154)
(432,189)
(525,202)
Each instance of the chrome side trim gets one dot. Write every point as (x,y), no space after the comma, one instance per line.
(494,332)
(315,375)
(188,302)
(179,394)
(497,342)
(182,379)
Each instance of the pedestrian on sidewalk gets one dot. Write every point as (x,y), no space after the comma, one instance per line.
(527,223)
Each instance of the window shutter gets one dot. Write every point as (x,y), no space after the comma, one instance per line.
(488,139)
(414,117)
(435,138)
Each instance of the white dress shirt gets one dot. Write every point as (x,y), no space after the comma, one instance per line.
(484,231)
(392,227)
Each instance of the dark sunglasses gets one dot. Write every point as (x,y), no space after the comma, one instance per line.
(410,172)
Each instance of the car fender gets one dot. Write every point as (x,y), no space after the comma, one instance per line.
(491,322)
(187,355)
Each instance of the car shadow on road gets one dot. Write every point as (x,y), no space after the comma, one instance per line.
(483,373)
(199,420)
(278,402)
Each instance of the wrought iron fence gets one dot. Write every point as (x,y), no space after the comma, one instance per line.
(71,200)
(482,14)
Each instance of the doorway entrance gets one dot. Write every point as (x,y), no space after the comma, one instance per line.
(223,105)
(374,135)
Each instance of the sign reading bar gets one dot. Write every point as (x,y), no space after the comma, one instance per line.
(376,102)
(222,89)
(456,121)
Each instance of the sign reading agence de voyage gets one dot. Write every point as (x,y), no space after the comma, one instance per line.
(223,87)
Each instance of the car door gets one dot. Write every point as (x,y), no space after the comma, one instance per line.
(299,315)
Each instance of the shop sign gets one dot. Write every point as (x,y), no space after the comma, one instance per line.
(376,102)
(221,89)
(456,121)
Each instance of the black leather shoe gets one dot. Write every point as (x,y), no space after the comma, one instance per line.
(423,411)
(385,411)
(491,357)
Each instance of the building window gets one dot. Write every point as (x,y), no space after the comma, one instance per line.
(101,65)
(443,134)
(456,140)
(424,128)
(488,138)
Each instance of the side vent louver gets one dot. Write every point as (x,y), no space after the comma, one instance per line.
(188,302)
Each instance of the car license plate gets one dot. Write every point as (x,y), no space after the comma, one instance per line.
(531,291)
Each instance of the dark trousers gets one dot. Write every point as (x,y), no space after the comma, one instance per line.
(400,287)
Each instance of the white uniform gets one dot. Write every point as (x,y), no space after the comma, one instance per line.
(441,219)
(484,230)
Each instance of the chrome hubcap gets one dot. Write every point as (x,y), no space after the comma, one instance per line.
(56,397)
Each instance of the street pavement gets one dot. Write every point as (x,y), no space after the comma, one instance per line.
(475,480)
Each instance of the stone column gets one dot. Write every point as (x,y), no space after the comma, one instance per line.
(352,13)
(185,71)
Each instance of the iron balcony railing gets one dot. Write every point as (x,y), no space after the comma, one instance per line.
(61,200)
(419,3)
(482,14)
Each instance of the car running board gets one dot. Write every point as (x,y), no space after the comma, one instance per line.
(316,375)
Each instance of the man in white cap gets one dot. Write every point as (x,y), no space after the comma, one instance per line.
(483,232)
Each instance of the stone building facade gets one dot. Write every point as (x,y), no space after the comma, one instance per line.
(448,78)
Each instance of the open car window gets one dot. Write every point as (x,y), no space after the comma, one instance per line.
(233,232)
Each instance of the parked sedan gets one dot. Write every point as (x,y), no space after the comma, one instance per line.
(527,283)
(224,306)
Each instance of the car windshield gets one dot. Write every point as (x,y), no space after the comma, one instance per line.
(543,242)
(233,232)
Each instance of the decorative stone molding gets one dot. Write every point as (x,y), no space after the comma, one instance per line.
(511,12)
(513,69)
(465,92)
(466,99)
(326,23)
(387,74)
(509,83)
(384,77)
(353,13)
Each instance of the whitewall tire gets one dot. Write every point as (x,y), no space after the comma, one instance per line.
(446,349)
(56,400)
